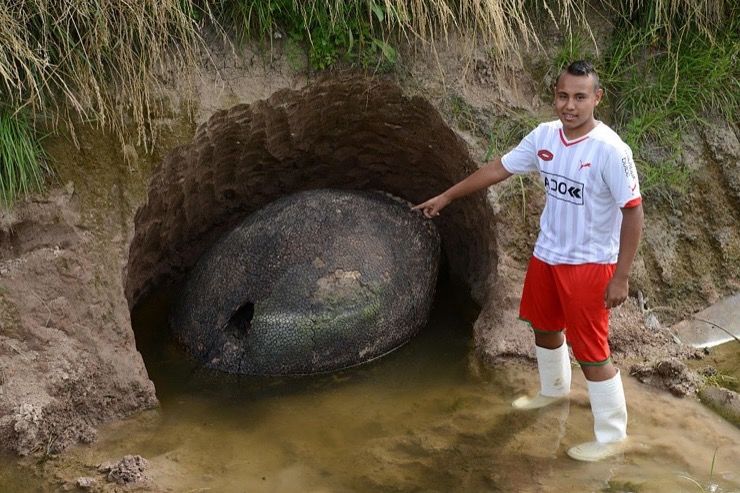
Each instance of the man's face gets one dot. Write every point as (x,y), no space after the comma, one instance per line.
(575,100)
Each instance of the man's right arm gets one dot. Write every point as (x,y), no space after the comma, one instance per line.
(487,175)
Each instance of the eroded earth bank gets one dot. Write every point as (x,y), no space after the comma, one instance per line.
(117,224)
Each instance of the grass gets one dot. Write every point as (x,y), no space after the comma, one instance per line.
(504,134)
(23,163)
(508,131)
(83,60)
(103,62)
(716,378)
(664,72)
(367,33)
(711,486)
(354,32)
(99,60)
(660,90)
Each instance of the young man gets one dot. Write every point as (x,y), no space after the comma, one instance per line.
(589,232)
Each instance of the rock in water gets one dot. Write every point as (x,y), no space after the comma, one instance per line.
(313,282)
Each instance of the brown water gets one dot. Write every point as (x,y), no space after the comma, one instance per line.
(425,418)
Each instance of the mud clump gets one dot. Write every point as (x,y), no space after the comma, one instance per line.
(671,374)
(81,403)
(49,430)
(635,335)
(68,361)
(129,470)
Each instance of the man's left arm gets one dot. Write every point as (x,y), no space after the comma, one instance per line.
(629,239)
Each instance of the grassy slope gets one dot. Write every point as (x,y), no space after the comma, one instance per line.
(103,62)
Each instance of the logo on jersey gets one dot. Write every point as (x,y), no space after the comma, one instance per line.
(628,166)
(583,165)
(545,155)
(563,188)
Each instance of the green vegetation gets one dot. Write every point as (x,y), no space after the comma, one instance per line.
(670,63)
(22,160)
(507,131)
(366,33)
(355,32)
(717,378)
(660,88)
(663,72)
(96,61)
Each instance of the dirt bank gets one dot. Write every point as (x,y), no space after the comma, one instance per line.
(68,359)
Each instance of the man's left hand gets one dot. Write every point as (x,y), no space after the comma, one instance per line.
(616,292)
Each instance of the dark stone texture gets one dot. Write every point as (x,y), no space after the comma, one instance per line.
(315,281)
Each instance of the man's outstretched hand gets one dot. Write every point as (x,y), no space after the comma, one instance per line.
(431,207)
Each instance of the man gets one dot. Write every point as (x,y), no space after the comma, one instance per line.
(589,233)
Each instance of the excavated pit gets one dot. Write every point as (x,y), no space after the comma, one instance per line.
(344,133)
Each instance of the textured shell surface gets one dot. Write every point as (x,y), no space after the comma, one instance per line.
(314,282)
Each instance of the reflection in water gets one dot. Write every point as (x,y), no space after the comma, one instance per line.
(421,419)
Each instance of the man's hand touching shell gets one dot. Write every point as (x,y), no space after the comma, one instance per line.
(433,206)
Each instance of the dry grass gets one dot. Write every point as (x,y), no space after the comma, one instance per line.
(104,61)
(101,59)
(674,16)
(98,59)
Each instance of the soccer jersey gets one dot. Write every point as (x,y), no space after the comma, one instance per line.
(587,181)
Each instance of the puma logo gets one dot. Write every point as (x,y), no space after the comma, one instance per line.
(584,165)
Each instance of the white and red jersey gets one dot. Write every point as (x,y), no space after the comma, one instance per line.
(587,181)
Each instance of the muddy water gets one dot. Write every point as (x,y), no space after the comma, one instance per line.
(422,419)
(726,359)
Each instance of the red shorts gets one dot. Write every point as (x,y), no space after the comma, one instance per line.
(570,298)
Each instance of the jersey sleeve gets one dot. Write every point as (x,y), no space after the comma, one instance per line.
(620,176)
(523,158)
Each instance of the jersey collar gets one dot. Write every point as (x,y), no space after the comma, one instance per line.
(568,143)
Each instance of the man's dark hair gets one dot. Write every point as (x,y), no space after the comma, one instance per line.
(581,67)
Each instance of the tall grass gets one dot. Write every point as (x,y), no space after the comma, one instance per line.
(92,60)
(360,31)
(95,58)
(22,160)
(103,61)
(669,17)
(668,66)
(668,72)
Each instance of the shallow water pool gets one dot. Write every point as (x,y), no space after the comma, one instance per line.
(424,418)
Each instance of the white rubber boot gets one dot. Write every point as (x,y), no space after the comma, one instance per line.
(554,369)
(610,421)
